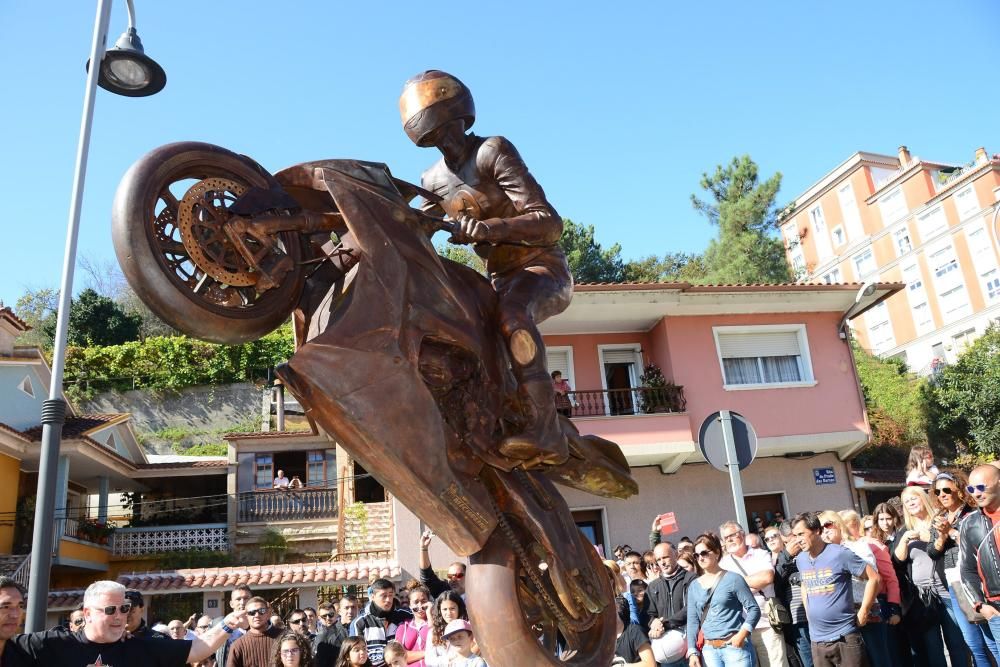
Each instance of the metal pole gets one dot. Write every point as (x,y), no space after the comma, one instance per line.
(54,409)
(733,466)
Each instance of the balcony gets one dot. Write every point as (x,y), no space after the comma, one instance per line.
(162,539)
(625,402)
(273,505)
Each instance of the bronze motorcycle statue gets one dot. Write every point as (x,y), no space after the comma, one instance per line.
(398,358)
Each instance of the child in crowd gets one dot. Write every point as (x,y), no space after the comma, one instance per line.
(458,634)
(395,655)
(353,653)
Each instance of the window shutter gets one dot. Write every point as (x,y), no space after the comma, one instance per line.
(619,356)
(769,344)
(558,360)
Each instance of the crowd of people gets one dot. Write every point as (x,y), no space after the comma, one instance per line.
(916,582)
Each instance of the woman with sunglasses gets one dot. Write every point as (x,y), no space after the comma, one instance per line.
(924,618)
(874,632)
(292,650)
(722,607)
(413,634)
(956,505)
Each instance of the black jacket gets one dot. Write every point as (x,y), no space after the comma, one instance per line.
(668,599)
(326,644)
(980,565)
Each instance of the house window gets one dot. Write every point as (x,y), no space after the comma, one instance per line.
(263,471)
(893,207)
(560,358)
(880,333)
(112,442)
(27,387)
(864,262)
(849,207)
(765,355)
(917,295)
(966,202)
(902,238)
(932,223)
(622,366)
(954,299)
(963,339)
(833,276)
(822,235)
(954,304)
(316,469)
(839,238)
(985,262)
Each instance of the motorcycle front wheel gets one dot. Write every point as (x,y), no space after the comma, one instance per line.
(171,242)
(518,623)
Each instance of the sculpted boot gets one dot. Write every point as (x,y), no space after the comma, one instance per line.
(543,440)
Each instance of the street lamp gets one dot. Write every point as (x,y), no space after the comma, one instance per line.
(127,70)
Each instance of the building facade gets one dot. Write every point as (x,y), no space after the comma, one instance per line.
(930,225)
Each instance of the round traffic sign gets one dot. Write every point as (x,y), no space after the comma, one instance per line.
(711,439)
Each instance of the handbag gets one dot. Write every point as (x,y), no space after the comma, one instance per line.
(699,642)
(775,610)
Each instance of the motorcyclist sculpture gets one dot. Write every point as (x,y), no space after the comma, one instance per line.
(501,209)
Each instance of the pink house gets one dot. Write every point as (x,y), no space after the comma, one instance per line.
(776,354)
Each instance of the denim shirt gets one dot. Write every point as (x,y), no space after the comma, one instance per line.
(733,608)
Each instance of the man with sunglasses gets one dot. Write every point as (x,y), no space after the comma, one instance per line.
(299,624)
(101,640)
(980,548)
(77,620)
(333,631)
(255,647)
(429,578)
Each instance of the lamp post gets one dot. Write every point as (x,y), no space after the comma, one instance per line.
(125,70)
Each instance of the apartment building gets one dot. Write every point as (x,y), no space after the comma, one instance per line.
(931,225)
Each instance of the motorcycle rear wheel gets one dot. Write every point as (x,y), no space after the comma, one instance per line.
(169,274)
(513,624)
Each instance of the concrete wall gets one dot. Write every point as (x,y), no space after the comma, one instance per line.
(19,410)
(698,494)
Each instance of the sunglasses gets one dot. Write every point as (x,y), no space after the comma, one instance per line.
(457,575)
(702,554)
(771,538)
(731,536)
(829,524)
(256,612)
(79,621)
(110,611)
(204,627)
(297,621)
(972,488)
(947,490)
(327,615)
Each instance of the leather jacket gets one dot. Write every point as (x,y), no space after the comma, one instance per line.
(980,559)
(668,599)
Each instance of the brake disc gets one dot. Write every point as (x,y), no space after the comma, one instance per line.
(201,215)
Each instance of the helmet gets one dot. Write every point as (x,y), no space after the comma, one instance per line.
(430,100)
(670,647)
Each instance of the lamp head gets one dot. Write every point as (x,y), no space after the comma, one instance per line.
(127,70)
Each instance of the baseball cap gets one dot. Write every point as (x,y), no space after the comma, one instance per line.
(457,625)
(135,597)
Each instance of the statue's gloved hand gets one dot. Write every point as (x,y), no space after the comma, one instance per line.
(470,230)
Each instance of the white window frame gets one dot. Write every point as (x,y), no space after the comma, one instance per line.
(820,232)
(836,232)
(636,370)
(829,277)
(917,298)
(969,190)
(895,212)
(935,213)
(882,310)
(570,372)
(984,260)
(897,235)
(857,267)
(849,209)
(805,360)
(26,382)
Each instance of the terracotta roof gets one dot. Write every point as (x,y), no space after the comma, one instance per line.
(259,576)
(690,288)
(268,434)
(76,427)
(173,465)
(7,312)
(875,476)
(14,431)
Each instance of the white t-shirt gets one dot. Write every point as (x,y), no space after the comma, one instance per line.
(280,482)
(753,561)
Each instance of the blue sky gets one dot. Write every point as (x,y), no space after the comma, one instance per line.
(617,108)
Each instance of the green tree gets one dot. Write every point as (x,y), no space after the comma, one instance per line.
(747,249)
(895,409)
(588,261)
(672,267)
(963,400)
(38,309)
(97,320)
(462,254)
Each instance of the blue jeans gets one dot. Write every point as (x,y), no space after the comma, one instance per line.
(978,636)
(927,647)
(994,628)
(876,636)
(797,639)
(728,656)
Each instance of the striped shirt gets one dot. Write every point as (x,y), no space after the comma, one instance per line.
(378,632)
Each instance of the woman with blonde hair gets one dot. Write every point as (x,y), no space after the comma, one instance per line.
(889,599)
(923,621)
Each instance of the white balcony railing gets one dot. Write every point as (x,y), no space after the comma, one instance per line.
(160,539)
